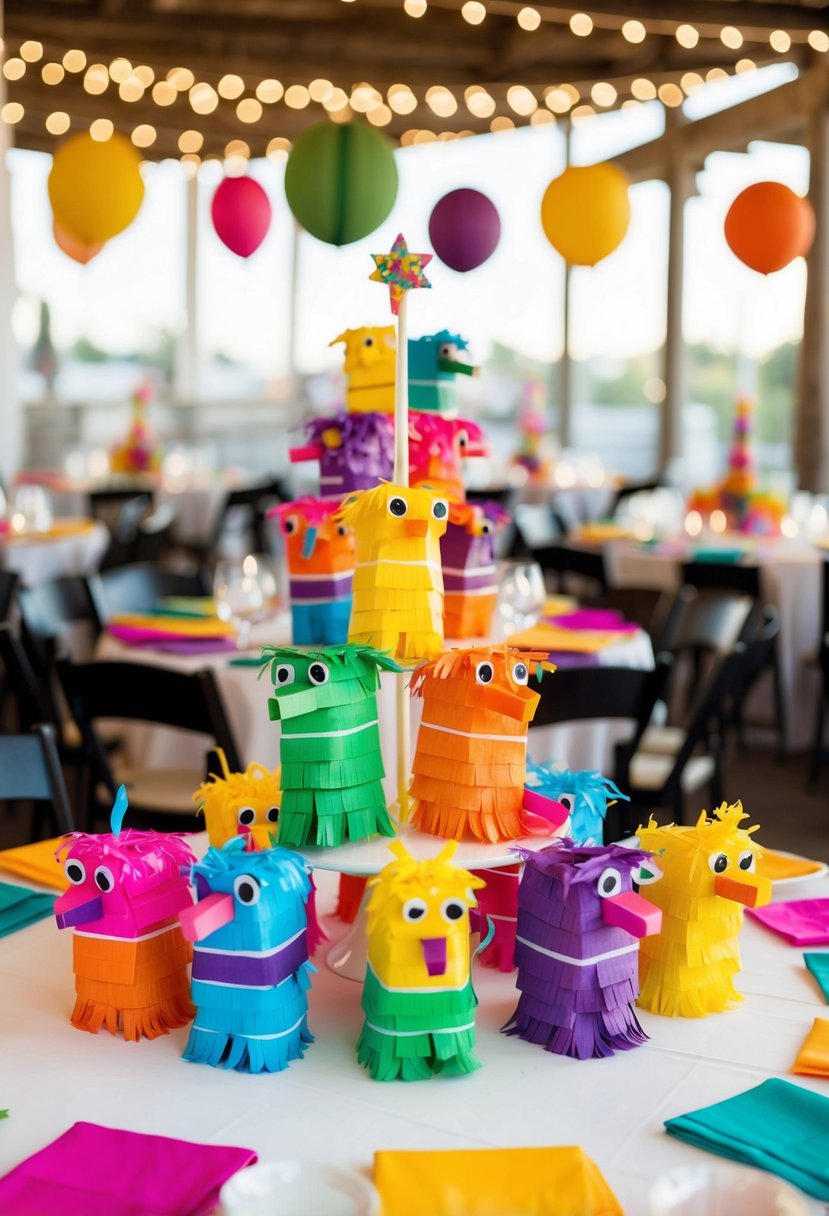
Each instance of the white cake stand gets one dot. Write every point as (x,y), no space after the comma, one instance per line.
(363,858)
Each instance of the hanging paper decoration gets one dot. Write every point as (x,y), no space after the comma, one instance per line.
(472,744)
(251,973)
(320,553)
(464,229)
(768,225)
(240,804)
(586,795)
(585,212)
(129,956)
(418,997)
(398,584)
(95,188)
(73,248)
(341,181)
(332,768)
(369,368)
(434,363)
(577,945)
(140,451)
(706,874)
(355,452)
(241,214)
(467,554)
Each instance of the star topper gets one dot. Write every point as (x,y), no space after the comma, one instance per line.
(400,270)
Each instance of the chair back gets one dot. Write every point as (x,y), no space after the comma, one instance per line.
(723,576)
(144,693)
(246,509)
(139,586)
(561,563)
(34,697)
(8,585)
(575,694)
(30,769)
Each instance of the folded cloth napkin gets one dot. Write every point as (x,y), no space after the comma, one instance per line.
(776,1126)
(464,1182)
(777,865)
(551,637)
(19,908)
(803,922)
(140,627)
(726,556)
(102,1171)
(607,619)
(818,964)
(813,1057)
(36,863)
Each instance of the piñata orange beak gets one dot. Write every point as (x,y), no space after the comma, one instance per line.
(752,890)
(416,527)
(259,836)
(518,702)
(629,911)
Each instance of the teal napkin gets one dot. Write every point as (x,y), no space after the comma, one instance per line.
(726,556)
(818,964)
(247,660)
(20,907)
(776,1126)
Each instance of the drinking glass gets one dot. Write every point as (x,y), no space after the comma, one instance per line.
(243,590)
(30,509)
(521,594)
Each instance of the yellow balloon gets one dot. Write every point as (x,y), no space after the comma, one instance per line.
(95,188)
(585,213)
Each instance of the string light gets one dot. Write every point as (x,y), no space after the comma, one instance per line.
(31,51)
(57,123)
(380,116)
(558,100)
(250,110)
(144,136)
(818,40)
(164,94)
(190,141)
(203,98)
(345,114)
(502,123)
(714,74)
(364,97)
(415,8)
(731,37)
(479,102)
(145,74)
(12,112)
(336,102)
(541,118)
(473,11)
(521,100)
(745,65)
(687,36)
(13,69)
(424,137)
(580,113)
(96,79)
(182,79)
(642,89)
(634,31)
(278,148)
(74,61)
(231,86)
(269,91)
(670,95)
(319,89)
(120,69)
(603,93)
(780,41)
(52,73)
(101,130)
(691,81)
(581,24)
(529,19)
(441,101)
(131,89)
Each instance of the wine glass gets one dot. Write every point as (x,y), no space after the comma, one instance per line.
(521,594)
(30,509)
(243,591)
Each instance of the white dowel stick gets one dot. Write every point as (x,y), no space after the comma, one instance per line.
(401,478)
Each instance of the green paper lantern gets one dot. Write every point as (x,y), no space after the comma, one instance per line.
(341,181)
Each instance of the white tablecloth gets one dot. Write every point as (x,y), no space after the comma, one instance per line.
(791,578)
(578,746)
(38,558)
(327,1109)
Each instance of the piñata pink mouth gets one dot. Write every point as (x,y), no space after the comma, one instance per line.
(434,954)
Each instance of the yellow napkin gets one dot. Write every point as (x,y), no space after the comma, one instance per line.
(36,862)
(813,1057)
(775,865)
(61,527)
(558,605)
(180,626)
(551,637)
(493,1182)
(599,531)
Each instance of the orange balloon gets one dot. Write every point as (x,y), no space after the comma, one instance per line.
(72,247)
(768,225)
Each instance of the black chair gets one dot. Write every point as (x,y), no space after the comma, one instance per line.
(124,530)
(154,539)
(634,487)
(724,579)
(30,770)
(243,512)
(573,571)
(664,777)
(533,526)
(822,660)
(580,694)
(8,585)
(139,692)
(139,587)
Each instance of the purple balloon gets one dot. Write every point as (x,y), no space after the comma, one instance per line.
(464,229)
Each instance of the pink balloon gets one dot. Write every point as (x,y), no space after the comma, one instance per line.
(241,214)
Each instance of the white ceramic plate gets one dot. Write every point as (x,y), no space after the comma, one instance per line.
(298,1188)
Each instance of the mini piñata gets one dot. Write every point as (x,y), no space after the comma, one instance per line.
(585,794)
(320,552)
(467,552)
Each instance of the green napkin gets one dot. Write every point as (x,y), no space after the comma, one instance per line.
(776,1126)
(20,907)
(818,964)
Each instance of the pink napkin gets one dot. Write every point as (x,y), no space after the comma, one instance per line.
(803,922)
(605,620)
(103,1171)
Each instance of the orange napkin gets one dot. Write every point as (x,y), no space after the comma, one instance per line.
(551,637)
(482,1182)
(774,865)
(60,528)
(36,863)
(599,531)
(813,1057)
